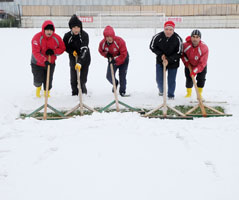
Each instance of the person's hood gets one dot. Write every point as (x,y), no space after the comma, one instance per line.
(48,22)
(188,39)
(109,32)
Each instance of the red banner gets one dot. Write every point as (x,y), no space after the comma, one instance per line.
(175,19)
(84,19)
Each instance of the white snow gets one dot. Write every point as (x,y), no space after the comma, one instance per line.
(119,156)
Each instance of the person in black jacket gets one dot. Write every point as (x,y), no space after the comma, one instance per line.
(167,45)
(76,42)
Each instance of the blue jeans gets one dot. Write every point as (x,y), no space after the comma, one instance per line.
(171,79)
(122,74)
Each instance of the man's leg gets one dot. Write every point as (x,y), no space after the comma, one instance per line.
(159,77)
(172,81)
(83,77)
(201,78)
(73,78)
(52,69)
(38,75)
(108,74)
(122,76)
(38,78)
(189,82)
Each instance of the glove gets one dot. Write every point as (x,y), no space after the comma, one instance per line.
(111,61)
(75,53)
(47,63)
(49,52)
(194,72)
(109,55)
(83,53)
(78,66)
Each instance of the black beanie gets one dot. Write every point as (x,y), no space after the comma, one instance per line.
(74,21)
(49,27)
(196,32)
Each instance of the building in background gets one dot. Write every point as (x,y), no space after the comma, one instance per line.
(127,13)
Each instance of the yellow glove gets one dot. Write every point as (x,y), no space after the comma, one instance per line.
(75,53)
(78,66)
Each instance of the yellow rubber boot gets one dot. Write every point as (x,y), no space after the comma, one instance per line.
(189,93)
(200,91)
(38,91)
(48,93)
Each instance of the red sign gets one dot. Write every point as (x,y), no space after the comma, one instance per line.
(88,19)
(175,19)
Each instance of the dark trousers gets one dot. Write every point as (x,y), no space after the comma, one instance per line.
(172,72)
(122,74)
(40,75)
(201,78)
(83,75)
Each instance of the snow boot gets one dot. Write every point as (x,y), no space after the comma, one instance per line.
(48,93)
(124,94)
(200,91)
(38,91)
(189,93)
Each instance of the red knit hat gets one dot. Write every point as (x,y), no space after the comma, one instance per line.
(169,23)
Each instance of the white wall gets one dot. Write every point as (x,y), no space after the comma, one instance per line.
(140,22)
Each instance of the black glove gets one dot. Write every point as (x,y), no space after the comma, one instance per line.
(49,52)
(83,53)
(47,63)
(109,55)
(111,61)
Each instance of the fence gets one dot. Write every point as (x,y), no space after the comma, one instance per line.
(169,10)
(122,2)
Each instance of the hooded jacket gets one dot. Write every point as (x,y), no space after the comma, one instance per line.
(195,56)
(40,44)
(117,49)
(78,43)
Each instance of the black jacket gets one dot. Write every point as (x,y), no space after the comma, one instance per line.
(172,48)
(78,43)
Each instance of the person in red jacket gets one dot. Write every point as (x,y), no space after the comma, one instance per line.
(195,54)
(114,49)
(45,44)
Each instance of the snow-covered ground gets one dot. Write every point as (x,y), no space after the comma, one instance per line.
(119,156)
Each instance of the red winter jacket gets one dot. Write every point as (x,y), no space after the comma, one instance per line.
(195,56)
(117,48)
(40,43)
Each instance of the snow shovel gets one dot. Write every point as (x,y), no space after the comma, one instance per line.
(200,103)
(116,101)
(164,106)
(81,105)
(61,115)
